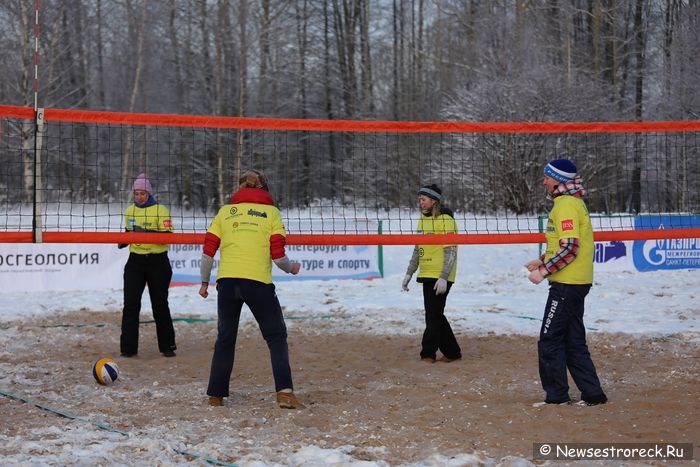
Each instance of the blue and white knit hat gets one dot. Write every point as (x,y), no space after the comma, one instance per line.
(561,170)
(431,191)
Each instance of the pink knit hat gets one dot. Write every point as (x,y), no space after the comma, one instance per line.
(142,183)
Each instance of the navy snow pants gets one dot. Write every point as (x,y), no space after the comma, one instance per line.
(263,303)
(562,345)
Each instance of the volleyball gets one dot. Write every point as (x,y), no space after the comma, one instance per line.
(105,371)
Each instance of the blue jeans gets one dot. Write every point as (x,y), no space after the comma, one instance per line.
(562,345)
(263,303)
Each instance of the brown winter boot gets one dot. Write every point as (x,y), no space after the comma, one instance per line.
(287,400)
(215,401)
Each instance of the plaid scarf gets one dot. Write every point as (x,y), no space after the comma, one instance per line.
(573,188)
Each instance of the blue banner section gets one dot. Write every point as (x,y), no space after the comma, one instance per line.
(676,253)
(609,251)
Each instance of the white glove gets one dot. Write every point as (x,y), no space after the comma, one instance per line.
(287,265)
(440,286)
(536,275)
(406,281)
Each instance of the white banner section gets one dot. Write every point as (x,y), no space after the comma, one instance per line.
(29,267)
(39,267)
(317,262)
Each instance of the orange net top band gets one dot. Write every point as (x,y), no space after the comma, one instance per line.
(123,118)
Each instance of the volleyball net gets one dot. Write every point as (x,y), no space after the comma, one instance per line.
(66,175)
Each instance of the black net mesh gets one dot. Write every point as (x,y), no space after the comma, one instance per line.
(337,182)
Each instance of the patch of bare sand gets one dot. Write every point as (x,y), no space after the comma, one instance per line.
(370,392)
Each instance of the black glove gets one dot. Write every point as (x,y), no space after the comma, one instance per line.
(141,229)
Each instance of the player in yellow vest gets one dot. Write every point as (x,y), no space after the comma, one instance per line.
(437,265)
(148,264)
(568,265)
(251,236)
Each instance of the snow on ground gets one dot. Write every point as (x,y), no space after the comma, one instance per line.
(491,294)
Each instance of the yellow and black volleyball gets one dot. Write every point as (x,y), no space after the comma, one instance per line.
(105,371)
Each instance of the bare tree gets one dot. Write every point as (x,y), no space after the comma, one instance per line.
(640,54)
(22,12)
(303,179)
(366,61)
(99,44)
(137,27)
(346,17)
(536,60)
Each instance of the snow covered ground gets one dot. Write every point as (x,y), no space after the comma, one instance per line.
(491,294)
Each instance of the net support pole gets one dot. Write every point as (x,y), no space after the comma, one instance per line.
(36,54)
(37,226)
(37,223)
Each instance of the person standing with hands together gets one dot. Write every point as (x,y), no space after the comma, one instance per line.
(568,265)
(437,265)
(148,264)
(251,236)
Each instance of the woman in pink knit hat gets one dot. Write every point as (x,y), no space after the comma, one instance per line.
(148,264)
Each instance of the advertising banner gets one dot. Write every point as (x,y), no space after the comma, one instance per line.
(613,256)
(40,267)
(317,262)
(677,253)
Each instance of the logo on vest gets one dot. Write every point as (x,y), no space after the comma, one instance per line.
(253,212)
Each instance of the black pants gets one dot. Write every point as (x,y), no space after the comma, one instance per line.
(155,271)
(263,303)
(562,345)
(438,334)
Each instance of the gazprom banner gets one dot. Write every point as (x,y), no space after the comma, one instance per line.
(676,253)
(317,262)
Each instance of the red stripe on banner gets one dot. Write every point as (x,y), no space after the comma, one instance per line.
(16,237)
(350,239)
(13,111)
(414,239)
(655,234)
(122,237)
(481,239)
